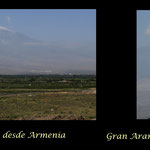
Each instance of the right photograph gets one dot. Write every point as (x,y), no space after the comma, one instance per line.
(143,64)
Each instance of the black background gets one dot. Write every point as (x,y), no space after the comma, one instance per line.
(118,69)
(117,73)
(116,87)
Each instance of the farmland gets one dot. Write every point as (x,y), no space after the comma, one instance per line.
(47,97)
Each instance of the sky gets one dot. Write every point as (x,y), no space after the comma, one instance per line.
(61,25)
(143,28)
(58,40)
(143,44)
(143,64)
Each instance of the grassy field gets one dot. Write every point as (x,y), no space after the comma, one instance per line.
(47,97)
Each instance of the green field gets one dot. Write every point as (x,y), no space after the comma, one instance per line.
(48,97)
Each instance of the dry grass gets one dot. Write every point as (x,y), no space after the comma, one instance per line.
(61,105)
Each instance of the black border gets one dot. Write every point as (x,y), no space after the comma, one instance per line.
(118,98)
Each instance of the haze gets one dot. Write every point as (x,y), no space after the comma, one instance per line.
(143,64)
(49,41)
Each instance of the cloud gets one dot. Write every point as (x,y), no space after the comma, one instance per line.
(8,19)
(4,28)
(148,30)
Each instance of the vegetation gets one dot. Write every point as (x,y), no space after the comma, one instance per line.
(48,97)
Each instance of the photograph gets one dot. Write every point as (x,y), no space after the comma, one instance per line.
(48,64)
(143,64)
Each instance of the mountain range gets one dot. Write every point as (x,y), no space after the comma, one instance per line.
(21,54)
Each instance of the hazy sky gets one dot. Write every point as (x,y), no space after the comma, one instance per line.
(143,64)
(52,24)
(55,40)
(143,44)
(143,28)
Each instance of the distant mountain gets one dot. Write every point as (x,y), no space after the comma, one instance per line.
(20,54)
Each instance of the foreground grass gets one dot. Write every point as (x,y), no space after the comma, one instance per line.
(58,105)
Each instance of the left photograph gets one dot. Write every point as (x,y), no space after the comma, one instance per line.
(48,64)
